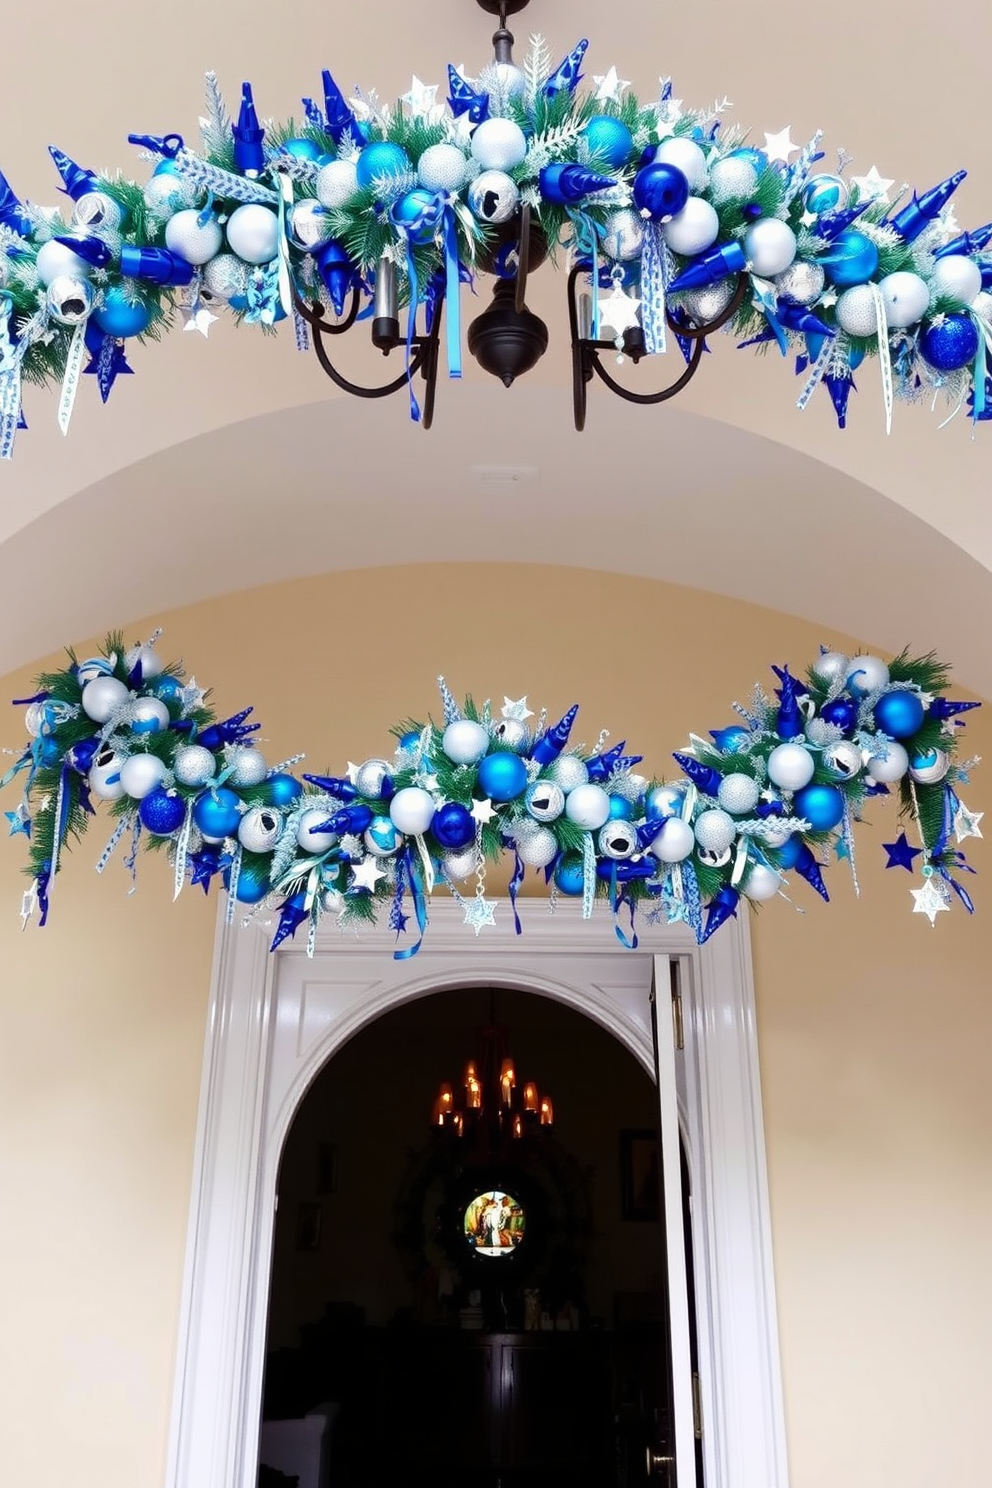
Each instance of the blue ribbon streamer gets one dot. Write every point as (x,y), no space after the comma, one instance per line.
(41,884)
(452,294)
(406,861)
(619,899)
(587,235)
(515,882)
(411,327)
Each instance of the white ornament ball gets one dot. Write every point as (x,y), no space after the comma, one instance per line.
(151,663)
(188,239)
(929,766)
(511,733)
(493,196)
(253,233)
(569,772)
(856,313)
(588,806)
(738,793)
(193,765)
(412,810)
(141,773)
(982,305)
(55,261)
(715,830)
(801,283)
(761,883)
(545,800)
(371,776)
(148,715)
(308,833)
(337,183)
(957,277)
(440,168)
(461,865)
(510,80)
(538,848)
(770,246)
(260,829)
(499,144)
(34,715)
(687,157)
(225,277)
(306,224)
(332,901)
(906,297)
(831,667)
(893,767)
(70,299)
(104,779)
(708,303)
(95,210)
(674,842)
(248,766)
(166,194)
(618,839)
(843,759)
(774,835)
(694,229)
(732,176)
(866,674)
(465,742)
(102,697)
(624,235)
(790,767)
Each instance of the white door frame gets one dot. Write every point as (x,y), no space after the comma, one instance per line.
(275,1020)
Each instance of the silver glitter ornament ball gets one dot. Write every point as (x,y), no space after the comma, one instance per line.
(831,668)
(248,765)
(738,793)
(545,800)
(95,210)
(499,144)
(704,305)
(193,765)
(624,235)
(511,733)
(337,183)
(225,277)
(568,772)
(306,224)
(801,283)
(618,839)
(440,168)
(493,196)
(843,759)
(260,829)
(167,194)
(192,240)
(714,830)
(70,300)
(856,313)
(371,776)
(733,176)
(538,848)
(461,865)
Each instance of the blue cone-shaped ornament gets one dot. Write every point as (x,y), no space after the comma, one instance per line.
(336,270)
(11,211)
(626,871)
(550,745)
(704,777)
(291,917)
(568,183)
(719,910)
(801,318)
(350,819)
(710,267)
(969,242)
(155,265)
(943,708)
(340,119)
(648,831)
(832,224)
(566,75)
(93,251)
(917,216)
(463,99)
(334,786)
(839,389)
(76,181)
(789,721)
(249,157)
(808,868)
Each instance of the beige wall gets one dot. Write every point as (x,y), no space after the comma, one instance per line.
(874,1030)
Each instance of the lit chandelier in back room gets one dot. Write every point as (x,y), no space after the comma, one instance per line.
(673,223)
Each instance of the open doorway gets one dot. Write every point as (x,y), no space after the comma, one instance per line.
(408,1343)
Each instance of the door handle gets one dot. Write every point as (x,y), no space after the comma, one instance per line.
(658,1463)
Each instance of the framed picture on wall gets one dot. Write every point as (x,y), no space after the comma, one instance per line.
(639,1175)
(308,1227)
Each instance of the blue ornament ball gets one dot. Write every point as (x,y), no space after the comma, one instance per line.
(381,160)
(621,809)
(279,790)
(821,805)
(162,812)
(609,140)
(49,751)
(788,853)
(841,712)
(382,838)
(117,316)
(825,193)
(216,813)
(82,755)
(851,259)
(418,214)
(757,158)
(569,875)
(453,825)
(253,883)
(899,714)
(166,689)
(301,149)
(951,345)
(502,776)
(660,191)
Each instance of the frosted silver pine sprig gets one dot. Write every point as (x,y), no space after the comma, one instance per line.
(221,182)
(215,128)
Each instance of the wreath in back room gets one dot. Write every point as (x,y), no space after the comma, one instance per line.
(778,791)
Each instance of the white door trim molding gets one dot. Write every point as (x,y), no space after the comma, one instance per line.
(274,1021)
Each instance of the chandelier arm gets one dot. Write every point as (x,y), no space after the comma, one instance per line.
(646,398)
(523,255)
(422,345)
(698,333)
(313,314)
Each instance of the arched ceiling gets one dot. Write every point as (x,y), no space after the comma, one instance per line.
(215,468)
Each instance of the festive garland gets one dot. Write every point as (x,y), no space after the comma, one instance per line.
(759,798)
(665,206)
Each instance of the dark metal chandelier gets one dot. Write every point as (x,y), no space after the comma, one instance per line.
(507,339)
(489,1107)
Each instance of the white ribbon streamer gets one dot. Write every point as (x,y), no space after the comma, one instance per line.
(70,380)
(884,355)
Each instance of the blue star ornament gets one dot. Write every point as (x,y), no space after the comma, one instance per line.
(900,853)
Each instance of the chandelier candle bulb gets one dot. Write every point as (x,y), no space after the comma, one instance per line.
(583,317)
(530,1097)
(385,322)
